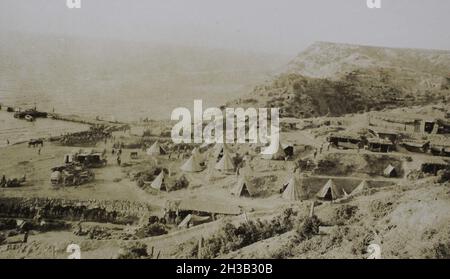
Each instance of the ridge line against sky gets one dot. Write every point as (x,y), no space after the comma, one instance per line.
(270,26)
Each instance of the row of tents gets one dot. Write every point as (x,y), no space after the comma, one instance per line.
(225,163)
(222,154)
(196,161)
(295,189)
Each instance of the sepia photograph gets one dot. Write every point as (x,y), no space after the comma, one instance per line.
(227,130)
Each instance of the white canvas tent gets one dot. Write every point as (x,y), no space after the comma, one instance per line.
(226,163)
(243,188)
(191,165)
(329,192)
(185,222)
(390,171)
(197,155)
(193,220)
(295,190)
(155,149)
(361,188)
(158,183)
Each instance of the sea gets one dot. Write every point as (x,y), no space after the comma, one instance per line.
(111,107)
(17,130)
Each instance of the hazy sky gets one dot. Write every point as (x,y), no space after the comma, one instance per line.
(275,26)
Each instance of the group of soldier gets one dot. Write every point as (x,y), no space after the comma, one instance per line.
(15,182)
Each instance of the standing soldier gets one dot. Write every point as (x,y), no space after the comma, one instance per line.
(3,181)
(25,237)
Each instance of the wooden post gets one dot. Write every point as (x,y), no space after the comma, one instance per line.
(311,211)
(245,217)
(200,246)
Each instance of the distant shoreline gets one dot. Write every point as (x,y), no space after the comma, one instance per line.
(63,118)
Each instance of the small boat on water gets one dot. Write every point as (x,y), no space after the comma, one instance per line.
(29,118)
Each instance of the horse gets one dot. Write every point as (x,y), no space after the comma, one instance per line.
(36,142)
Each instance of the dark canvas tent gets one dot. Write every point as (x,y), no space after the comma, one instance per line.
(288,149)
(329,191)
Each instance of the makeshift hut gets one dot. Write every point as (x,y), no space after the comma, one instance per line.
(380,145)
(417,147)
(345,140)
(433,165)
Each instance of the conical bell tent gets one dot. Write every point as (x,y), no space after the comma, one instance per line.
(191,165)
(329,191)
(158,183)
(155,149)
(295,189)
(226,163)
(361,188)
(243,188)
(197,155)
